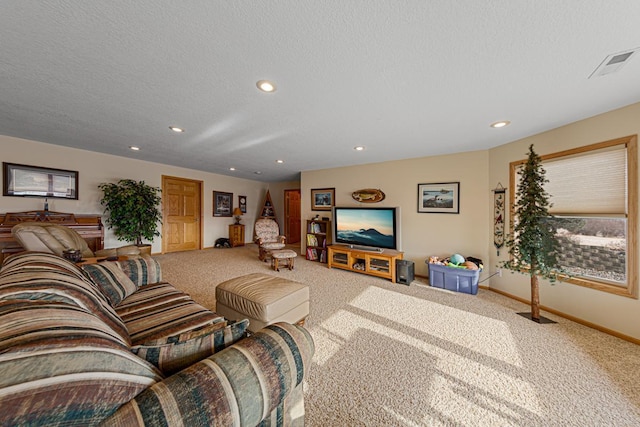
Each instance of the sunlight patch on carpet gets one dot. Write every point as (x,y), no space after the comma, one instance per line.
(461,371)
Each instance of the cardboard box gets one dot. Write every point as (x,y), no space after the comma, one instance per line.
(454,279)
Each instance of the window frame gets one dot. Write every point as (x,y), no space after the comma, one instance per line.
(631,144)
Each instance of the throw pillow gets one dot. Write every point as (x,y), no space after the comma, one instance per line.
(175,353)
(112,281)
(142,270)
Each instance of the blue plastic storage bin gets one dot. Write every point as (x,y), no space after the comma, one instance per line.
(454,279)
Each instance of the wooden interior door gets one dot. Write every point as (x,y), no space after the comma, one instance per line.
(292,215)
(182,214)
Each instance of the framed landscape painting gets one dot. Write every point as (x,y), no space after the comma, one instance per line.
(439,197)
(322,199)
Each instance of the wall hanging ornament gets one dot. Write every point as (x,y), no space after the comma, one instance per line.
(368,195)
(499,194)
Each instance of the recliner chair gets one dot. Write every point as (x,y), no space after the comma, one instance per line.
(54,238)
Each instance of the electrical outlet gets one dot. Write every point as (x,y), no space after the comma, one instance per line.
(499,272)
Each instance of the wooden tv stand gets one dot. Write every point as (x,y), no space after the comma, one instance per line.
(380,264)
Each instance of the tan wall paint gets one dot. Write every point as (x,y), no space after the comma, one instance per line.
(423,234)
(95,168)
(469,233)
(617,313)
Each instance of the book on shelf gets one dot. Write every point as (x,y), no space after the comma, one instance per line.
(314,227)
(312,254)
(312,240)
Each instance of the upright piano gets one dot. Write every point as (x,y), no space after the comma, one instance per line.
(89,227)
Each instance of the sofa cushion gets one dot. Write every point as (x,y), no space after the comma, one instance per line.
(62,366)
(175,353)
(40,276)
(159,311)
(241,385)
(114,283)
(142,270)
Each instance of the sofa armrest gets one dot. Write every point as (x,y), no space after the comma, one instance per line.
(242,384)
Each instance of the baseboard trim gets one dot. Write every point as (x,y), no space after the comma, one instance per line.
(572,318)
(561,314)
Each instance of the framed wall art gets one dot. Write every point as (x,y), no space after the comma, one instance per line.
(439,197)
(322,199)
(36,181)
(222,203)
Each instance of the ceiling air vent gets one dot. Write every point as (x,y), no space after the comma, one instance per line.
(613,63)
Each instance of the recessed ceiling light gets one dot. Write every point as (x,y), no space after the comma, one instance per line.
(500,124)
(359,148)
(176,129)
(266,86)
(279,161)
(232,169)
(258,173)
(134,148)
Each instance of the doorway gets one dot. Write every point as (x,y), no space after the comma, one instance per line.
(292,222)
(181,214)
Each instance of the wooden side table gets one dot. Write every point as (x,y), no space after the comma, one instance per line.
(236,235)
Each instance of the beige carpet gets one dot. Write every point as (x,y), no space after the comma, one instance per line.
(395,355)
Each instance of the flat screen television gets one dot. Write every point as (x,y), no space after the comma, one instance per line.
(368,228)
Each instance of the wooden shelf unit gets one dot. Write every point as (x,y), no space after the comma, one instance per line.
(268,211)
(380,264)
(318,238)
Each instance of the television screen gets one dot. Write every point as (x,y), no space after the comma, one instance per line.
(367,227)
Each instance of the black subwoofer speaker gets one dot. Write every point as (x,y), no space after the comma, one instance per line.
(405,271)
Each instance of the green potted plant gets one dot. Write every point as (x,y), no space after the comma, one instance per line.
(533,246)
(133,209)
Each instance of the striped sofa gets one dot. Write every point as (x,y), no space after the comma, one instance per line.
(112,344)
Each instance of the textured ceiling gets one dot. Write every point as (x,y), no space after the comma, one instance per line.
(403,78)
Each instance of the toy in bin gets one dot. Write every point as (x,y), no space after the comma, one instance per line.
(455,273)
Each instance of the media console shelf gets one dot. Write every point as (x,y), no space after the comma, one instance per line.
(374,263)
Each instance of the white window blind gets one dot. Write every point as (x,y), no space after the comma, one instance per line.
(593,183)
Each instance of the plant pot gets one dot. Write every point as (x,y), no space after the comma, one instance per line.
(145,249)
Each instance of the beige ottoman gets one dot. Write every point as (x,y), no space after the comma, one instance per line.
(263,299)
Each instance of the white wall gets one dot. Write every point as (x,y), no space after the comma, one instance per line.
(613,312)
(95,168)
(423,234)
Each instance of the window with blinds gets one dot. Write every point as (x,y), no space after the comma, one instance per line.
(593,183)
(593,192)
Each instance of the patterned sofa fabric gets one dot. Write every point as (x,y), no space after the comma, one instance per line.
(66,357)
(40,276)
(241,385)
(61,365)
(177,352)
(159,311)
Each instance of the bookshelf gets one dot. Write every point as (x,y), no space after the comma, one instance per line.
(318,238)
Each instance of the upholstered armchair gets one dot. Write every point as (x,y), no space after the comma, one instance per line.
(267,236)
(54,238)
